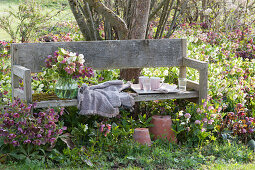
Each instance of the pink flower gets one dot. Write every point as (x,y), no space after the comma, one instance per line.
(210,108)
(62,111)
(203,130)
(239,105)
(15,115)
(187,115)
(205,119)
(101,129)
(213,115)
(52,140)
(199,110)
(11,136)
(204,105)
(108,126)
(243,130)
(15,143)
(197,122)
(63,61)
(210,121)
(27,141)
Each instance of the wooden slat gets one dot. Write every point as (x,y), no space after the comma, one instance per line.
(27,86)
(180,95)
(19,71)
(147,97)
(192,85)
(203,84)
(104,54)
(56,103)
(19,93)
(196,64)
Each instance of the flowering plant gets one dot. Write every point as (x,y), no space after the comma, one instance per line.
(238,123)
(68,64)
(20,127)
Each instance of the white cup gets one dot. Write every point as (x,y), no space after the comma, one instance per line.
(141,81)
(155,82)
(146,84)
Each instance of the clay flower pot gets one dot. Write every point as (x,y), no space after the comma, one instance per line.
(142,136)
(162,126)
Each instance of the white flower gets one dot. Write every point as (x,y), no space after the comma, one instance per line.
(73,58)
(81,58)
(208,11)
(41,85)
(180,113)
(72,54)
(63,51)
(69,60)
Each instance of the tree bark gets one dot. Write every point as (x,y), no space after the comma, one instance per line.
(113,19)
(137,30)
(79,17)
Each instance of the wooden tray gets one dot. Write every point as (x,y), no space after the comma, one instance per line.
(136,88)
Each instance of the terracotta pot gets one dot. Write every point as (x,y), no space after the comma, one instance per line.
(142,136)
(162,126)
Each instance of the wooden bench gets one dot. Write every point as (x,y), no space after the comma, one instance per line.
(29,57)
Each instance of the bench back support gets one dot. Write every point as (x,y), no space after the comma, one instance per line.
(105,54)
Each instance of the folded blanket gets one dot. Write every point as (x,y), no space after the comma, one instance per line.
(104,99)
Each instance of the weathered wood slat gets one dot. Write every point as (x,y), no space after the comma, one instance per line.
(196,64)
(180,95)
(27,86)
(192,85)
(105,54)
(57,103)
(147,97)
(203,84)
(19,71)
(19,93)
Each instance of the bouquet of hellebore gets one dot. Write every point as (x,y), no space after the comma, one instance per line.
(68,64)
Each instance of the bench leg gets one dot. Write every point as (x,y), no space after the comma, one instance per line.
(182,72)
(27,86)
(203,79)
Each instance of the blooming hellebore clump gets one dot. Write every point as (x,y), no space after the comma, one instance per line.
(19,126)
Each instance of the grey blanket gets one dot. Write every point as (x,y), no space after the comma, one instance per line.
(104,99)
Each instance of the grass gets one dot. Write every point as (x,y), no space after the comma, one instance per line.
(51,6)
(162,155)
(235,166)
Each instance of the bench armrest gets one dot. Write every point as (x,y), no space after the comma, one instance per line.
(202,67)
(20,72)
(196,64)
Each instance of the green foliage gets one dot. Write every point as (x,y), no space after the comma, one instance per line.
(29,20)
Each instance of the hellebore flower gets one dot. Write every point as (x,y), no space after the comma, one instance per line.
(187,116)
(197,122)
(27,141)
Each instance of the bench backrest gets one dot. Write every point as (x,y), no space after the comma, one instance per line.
(106,54)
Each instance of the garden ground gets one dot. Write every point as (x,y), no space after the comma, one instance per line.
(212,136)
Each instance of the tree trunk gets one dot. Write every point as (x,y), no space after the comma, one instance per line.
(137,25)
(204,6)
